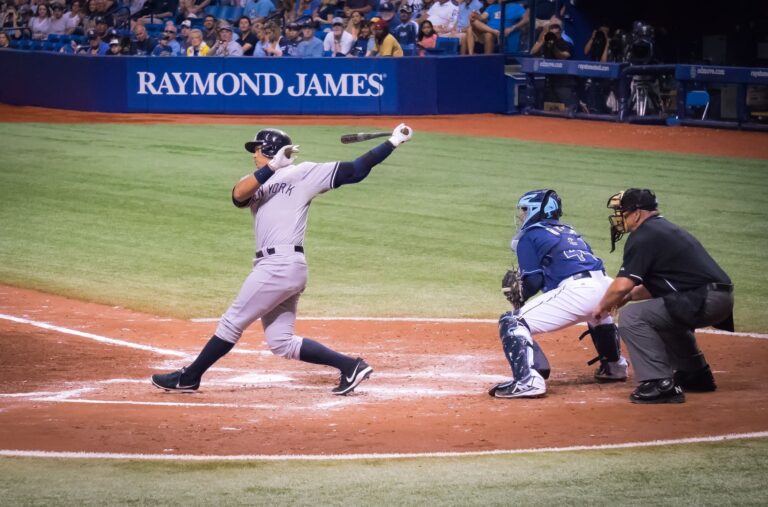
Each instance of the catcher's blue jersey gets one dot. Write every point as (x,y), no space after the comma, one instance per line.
(556,250)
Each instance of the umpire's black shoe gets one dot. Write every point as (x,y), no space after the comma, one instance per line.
(699,381)
(658,391)
(347,383)
(172,382)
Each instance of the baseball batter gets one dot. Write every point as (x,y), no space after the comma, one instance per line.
(278,194)
(555,259)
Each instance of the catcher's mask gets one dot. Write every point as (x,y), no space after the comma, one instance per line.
(628,201)
(536,205)
(270,141)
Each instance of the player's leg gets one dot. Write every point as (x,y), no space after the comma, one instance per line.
(518,348)
(279,325)
(263,289)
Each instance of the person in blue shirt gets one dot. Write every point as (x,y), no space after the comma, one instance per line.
(311,46)
(553,258)
(257,9)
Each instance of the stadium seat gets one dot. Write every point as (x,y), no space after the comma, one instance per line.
(237,13)
(37,45)
(697,99)
(54,37)
(449,45)
(49,46)
(24,44)
(154,27)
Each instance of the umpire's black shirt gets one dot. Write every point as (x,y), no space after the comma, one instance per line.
(666,258)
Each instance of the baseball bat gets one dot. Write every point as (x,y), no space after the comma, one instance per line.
(363,136)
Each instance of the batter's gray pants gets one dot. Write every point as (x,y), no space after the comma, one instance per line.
(658,345)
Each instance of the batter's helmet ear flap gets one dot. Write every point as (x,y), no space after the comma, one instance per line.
(270,141)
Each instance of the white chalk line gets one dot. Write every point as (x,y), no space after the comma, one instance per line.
(428,320)
(374,456)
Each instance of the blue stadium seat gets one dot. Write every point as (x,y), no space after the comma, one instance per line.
(49,46)
(37,45)
(154,27)
(449,45)
(237,13)
(54,37)
(215,10)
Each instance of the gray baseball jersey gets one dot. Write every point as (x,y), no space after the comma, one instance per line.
(271,292)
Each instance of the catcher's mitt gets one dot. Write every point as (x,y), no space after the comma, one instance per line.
(512,287)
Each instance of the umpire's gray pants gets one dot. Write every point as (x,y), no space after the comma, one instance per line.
(658,345)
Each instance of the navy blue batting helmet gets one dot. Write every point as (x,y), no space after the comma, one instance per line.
(270,141)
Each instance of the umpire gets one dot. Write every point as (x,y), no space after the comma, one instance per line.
(684,288)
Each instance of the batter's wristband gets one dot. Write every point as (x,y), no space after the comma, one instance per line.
(263,174)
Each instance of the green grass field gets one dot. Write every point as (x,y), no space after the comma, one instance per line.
(140,216)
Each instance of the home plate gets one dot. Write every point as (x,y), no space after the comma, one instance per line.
(258,378)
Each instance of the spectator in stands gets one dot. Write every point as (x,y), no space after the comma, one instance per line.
(387,12)
(155,10)
(209,30)
(163,48)
(96,46)
(385,42)
(192,8)
(407,31)
(114,48)
(170,31)
(144,43)
(246,38)
(226,45)
(596,48)
(311,46)
(269,45)
(101,26)
(425,6)
(485,26)
(427,38)
(258,9)
(416,7)
(444,16)
(354,23)
(40,23)
(58,24)
(305,8)
(10,22)
(23,19)
(361,6)
(5,42)
(287,8)
(134,6)
(197,46)
(338,41)
(364,44)
(73,17)
(183,37)
(466,7)
(290,42)
(325,12)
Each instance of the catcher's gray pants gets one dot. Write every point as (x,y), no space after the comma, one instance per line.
(658,345)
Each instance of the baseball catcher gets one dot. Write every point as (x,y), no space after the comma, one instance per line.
(555,260)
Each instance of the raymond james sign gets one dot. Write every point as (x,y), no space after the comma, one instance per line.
(259,84)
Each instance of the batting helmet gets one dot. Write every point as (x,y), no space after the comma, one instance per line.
(270,141)
(537,205)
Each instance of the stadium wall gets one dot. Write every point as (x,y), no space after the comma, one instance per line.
(321,86)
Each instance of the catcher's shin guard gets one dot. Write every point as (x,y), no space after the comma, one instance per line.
(606,340)
(517,344)
(540,361)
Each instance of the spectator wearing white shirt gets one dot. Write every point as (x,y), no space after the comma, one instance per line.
(338,41)
(58,24)
(444,16)
(40,23)
(73,17)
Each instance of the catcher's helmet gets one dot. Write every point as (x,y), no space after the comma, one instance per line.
(537,205)
(270,141)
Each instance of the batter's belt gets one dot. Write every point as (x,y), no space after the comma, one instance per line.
(271,250)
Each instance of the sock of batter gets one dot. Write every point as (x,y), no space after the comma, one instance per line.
(317,353)
(214,350)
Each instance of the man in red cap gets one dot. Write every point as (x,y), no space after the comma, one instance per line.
(386,44)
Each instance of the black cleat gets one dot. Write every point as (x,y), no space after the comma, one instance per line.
(347,384)
(658,391)
(172,382)
(699,381)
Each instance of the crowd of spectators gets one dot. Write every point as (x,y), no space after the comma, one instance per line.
(261,28)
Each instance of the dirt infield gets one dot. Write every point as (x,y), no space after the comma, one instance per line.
(81,383)
(62,392)
(727,143)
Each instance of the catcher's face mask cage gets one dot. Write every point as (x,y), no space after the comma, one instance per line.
(269,141)
(529,207)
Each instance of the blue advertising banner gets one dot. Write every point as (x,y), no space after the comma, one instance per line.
(319,86)
(708,73)
(571,67)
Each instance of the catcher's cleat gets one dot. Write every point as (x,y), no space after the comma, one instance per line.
(535,387)
(658,391)
(612,371)
(700,381)
(347,383)
(172,382)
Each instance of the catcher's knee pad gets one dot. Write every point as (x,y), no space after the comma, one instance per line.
(517,344)
(606,340)
(287,346)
